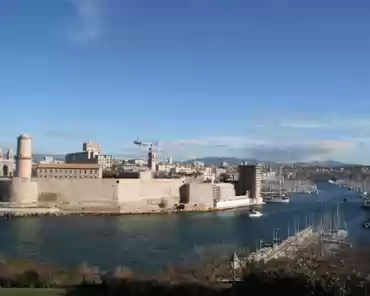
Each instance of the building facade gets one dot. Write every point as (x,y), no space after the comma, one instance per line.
(67,171)
(249,181)
(6,164)
(92,147)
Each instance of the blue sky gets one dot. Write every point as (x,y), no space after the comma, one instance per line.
(284,80)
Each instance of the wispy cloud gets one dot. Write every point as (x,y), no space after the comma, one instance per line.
(287,150)
(340,123)
(90,20)
(306,125)
(341,139)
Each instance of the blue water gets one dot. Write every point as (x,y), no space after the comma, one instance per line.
(148,244)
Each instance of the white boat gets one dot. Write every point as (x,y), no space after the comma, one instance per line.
(255,214)
(234,202)
(366,203)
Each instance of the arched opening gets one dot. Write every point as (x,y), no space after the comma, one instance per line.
(5,170)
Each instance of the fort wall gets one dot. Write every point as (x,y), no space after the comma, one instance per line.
(135,189)
(106,191)
(5,190)
(24,191)
(197,193)
(77,190)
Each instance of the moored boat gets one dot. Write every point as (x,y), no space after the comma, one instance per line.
(277,199)
(366,203)
(233,202)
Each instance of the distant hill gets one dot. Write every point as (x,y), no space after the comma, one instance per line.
(230,160)
(216,161)
(326,164)
(236,161)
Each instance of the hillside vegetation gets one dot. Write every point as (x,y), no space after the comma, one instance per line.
(346,273)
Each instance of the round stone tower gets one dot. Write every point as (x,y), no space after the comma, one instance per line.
(24,157)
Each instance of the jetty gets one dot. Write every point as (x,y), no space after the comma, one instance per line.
(287,248)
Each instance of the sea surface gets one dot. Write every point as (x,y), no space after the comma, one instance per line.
(148,244)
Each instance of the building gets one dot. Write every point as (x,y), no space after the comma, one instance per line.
(67,171)
(92,147)
(135,162)
(164,167)
(91,154)
(6,164)
(249,181)
(50,159)
(205,194)
(209,174)
(24,157)
(151,160)
(81,185)
(198,163)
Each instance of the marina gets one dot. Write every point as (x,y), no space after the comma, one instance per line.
(277,199)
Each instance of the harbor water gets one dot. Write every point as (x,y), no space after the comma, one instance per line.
(148,244)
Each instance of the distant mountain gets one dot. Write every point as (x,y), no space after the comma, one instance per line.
(326,164)
(236,161)
(229,160)
(216,161)
(38,157)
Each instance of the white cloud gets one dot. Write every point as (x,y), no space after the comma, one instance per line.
(90,20)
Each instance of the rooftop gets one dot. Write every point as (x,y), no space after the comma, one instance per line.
(24,136)
(67,166)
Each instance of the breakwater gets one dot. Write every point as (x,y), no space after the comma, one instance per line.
(287,248)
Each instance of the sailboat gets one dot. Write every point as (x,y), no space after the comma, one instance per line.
(334,228)
(278,198)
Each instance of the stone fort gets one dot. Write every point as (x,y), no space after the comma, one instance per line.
(21,187)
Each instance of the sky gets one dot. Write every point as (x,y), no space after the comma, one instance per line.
(283,80)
